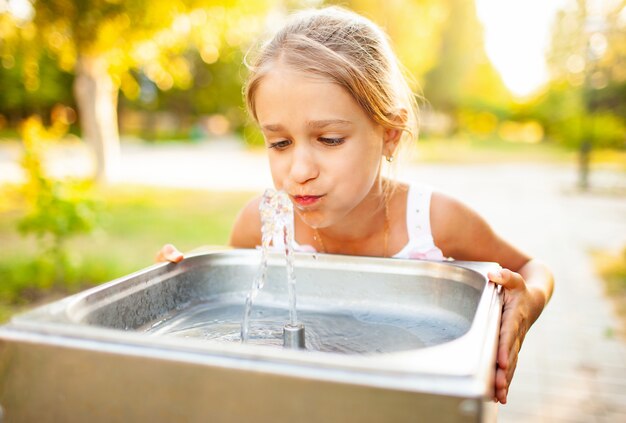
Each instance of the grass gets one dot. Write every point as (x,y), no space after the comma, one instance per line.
(612,268)
(136,222)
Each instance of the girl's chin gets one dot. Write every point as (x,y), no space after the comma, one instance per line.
(313,219)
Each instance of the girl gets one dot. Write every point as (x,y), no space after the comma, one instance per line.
(331,101)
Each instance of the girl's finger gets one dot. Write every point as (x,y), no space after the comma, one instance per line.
(159,257)
(169,253)
(175,257)
(509,335)
(501,379)
(501,395)
(506,278)
(499,276)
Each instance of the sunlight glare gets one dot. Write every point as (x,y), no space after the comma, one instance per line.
(517,34)
(20,9)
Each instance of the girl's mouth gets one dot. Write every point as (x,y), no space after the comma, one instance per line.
(307,200)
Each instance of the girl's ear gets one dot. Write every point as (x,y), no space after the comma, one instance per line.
(391,135)
(391,139)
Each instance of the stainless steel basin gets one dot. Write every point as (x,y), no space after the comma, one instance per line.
(387,340)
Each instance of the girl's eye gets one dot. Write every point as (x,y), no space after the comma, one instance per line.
(331,141)
(279,145)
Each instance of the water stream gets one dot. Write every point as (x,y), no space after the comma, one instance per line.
(276,212)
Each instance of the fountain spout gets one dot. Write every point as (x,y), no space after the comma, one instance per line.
(293,336)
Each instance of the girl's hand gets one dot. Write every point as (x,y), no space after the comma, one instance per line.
(169,253)
(518,304)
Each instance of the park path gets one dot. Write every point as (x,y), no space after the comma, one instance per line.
(572,367)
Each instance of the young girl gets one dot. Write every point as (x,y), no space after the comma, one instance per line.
(331,101)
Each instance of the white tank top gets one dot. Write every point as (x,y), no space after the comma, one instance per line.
(421,244)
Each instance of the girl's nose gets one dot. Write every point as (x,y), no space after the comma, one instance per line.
(303,165)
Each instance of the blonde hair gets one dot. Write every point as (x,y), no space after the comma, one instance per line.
(347,49)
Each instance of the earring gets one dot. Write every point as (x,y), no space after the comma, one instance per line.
(389,158)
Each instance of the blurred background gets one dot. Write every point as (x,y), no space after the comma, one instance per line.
(122,127)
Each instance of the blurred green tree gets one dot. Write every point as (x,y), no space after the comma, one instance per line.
(585,104)
(103,41)
(214,90)
(463,73)
(22,71)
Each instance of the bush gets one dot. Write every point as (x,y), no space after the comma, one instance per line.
(57,210)
(612,269)
(602,129)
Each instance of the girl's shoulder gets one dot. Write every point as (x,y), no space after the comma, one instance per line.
(456,226)
(462,233)
(246,232)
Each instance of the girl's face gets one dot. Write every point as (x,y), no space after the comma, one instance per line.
(324,150)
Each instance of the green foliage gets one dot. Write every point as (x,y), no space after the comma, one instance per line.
(612,268)
(585,103)
(610,98)
(614,271)
(57,210)
(215,90)
(60,210)
(603,130)
(135,222)
(30,82)
(52,86)
(564,112)
(183,56)
(463,71)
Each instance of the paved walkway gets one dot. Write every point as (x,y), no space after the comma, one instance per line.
(571,368)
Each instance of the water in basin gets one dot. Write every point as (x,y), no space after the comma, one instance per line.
(354,331)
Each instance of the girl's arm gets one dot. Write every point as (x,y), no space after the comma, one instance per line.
(528,284)
(246,232)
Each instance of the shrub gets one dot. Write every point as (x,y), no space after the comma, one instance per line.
(56,209)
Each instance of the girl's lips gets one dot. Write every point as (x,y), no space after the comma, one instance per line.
(306,200)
